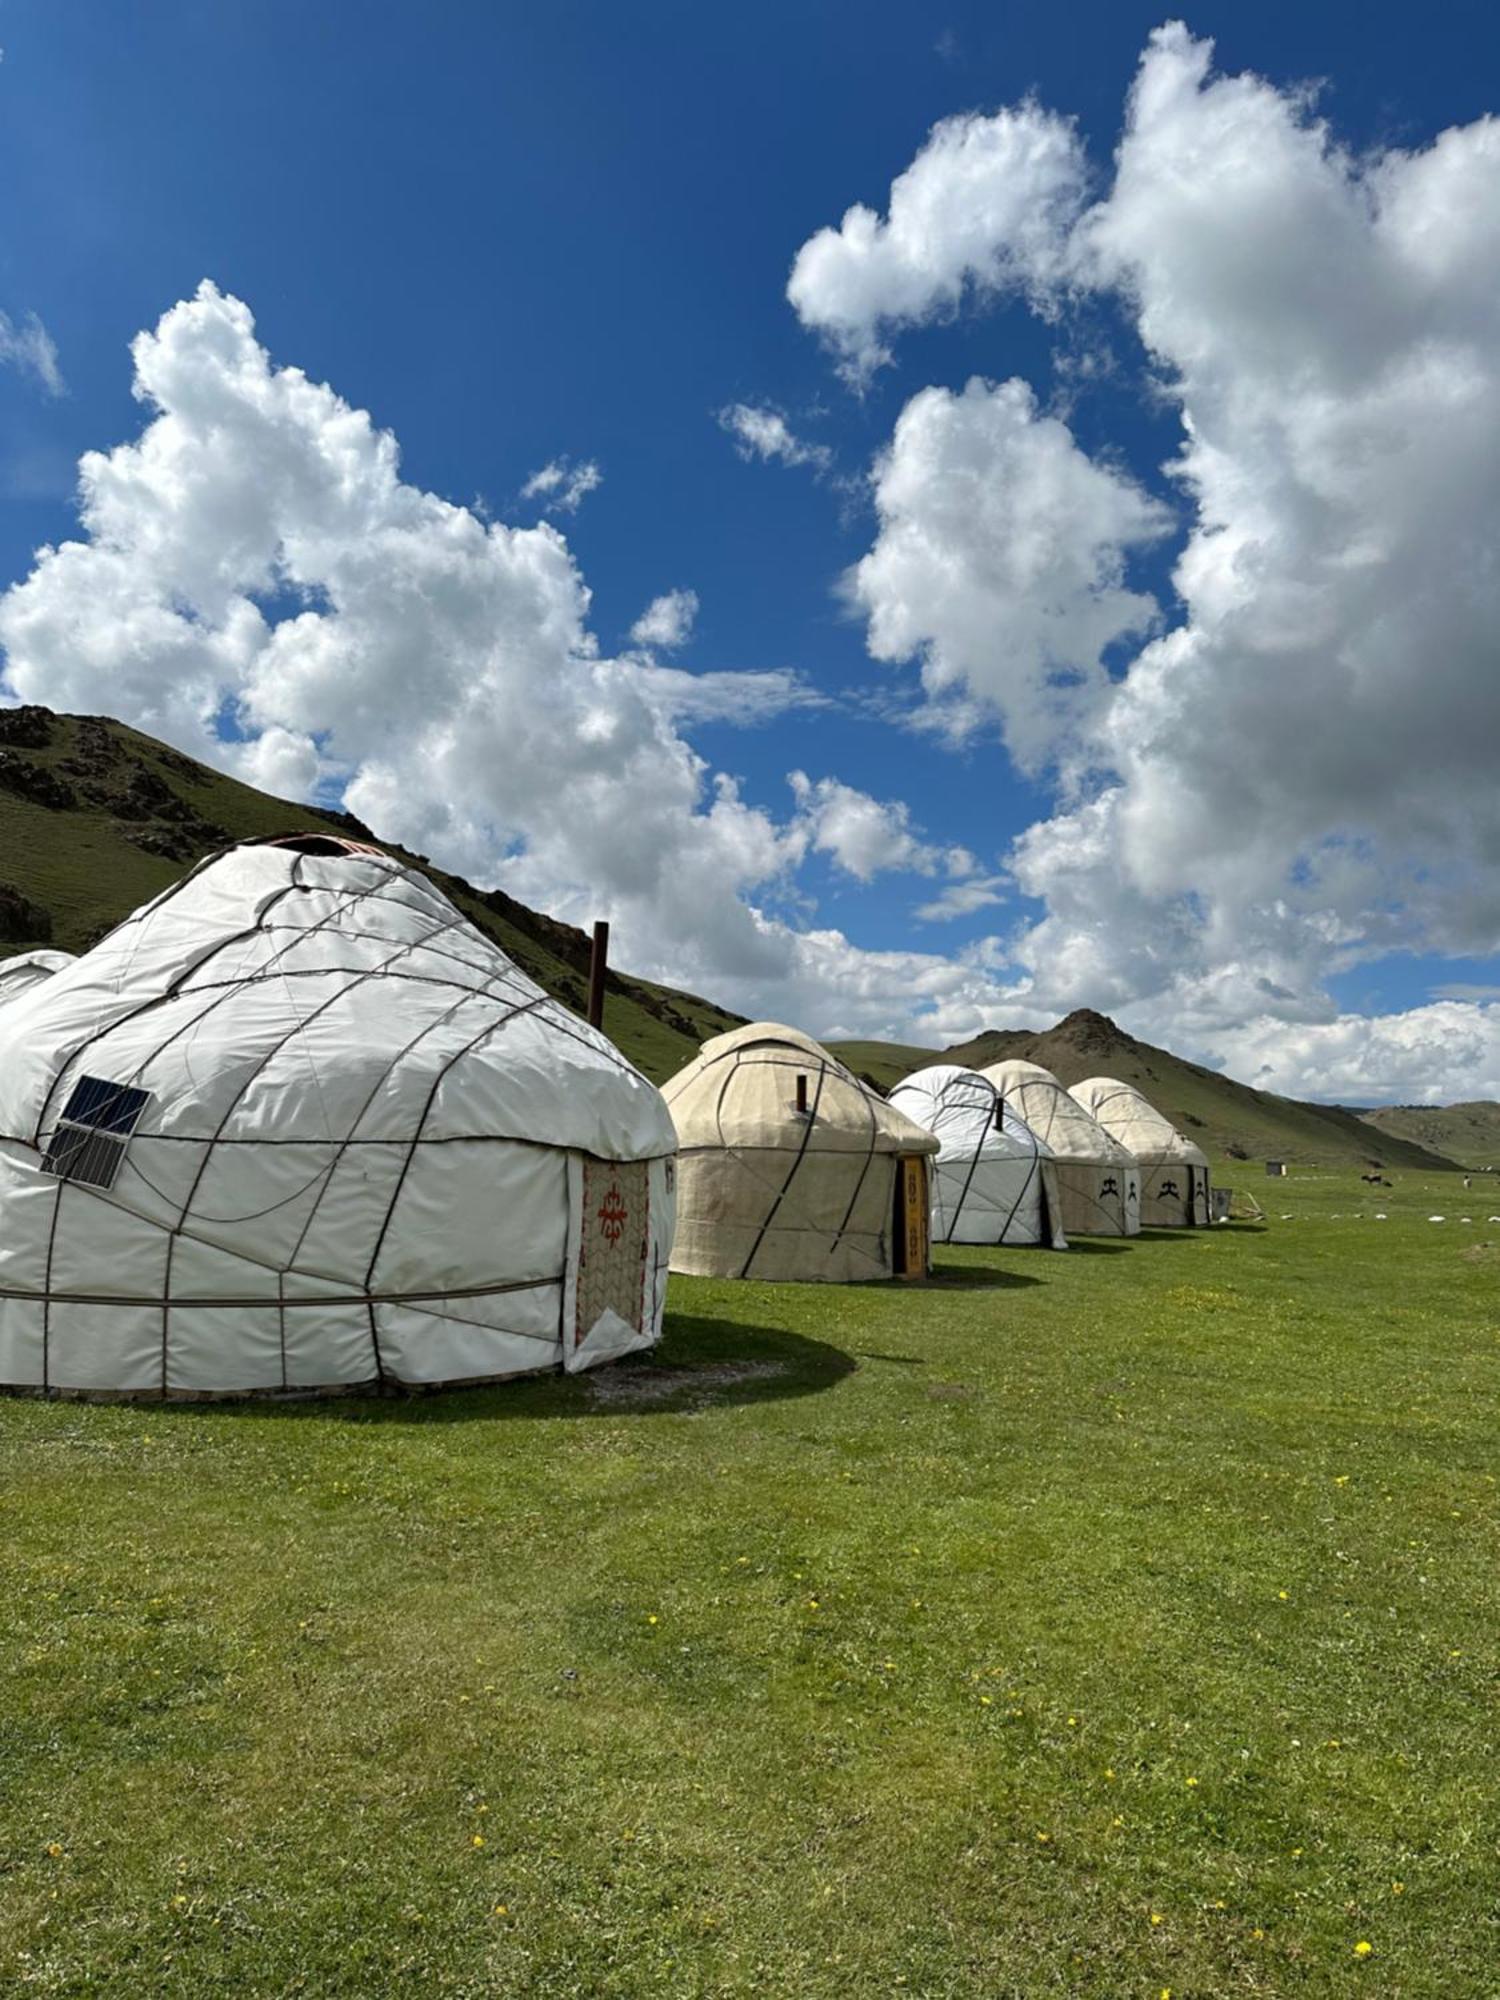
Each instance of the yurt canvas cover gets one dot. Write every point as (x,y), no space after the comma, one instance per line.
(27,969)
(1099,1179)
(835,1192)
(993,1180)
(1174,1172)
(297,1125)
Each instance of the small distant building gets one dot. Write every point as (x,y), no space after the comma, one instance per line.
(1276,1169)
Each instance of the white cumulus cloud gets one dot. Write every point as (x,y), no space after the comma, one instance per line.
(987,205)
(1295,774)
(865,836)
(438,669)
(1000,563)
(667,621)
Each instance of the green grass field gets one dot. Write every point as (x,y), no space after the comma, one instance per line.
(1118,1623)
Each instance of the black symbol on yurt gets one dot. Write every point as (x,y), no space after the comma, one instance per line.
(1170,1188)
(89,1142)
(1109,1185)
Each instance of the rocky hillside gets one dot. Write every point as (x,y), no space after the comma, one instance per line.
(1226,1118)
(96,818)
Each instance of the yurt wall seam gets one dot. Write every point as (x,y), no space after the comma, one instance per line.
(260,1300)
(468,1048)
(1031,1173)
(469,993)
(958,1207)
(353,981)
(807,1132)
(351,984)
(864,1171)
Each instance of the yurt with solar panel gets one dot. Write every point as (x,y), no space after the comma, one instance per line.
(297,1126)
(791,1168)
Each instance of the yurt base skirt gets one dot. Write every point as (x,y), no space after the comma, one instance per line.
(1094,1199)
(774,1215)
(1174,1197)
(299,1335)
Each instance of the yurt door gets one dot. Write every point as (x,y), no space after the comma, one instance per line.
(911,1229)
(606,1308)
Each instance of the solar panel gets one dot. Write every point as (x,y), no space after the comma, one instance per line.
(88,1145)
(107,1107)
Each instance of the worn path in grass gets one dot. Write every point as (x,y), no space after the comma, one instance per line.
(1101,1624)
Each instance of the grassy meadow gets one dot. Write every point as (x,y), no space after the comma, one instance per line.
(1124,1622)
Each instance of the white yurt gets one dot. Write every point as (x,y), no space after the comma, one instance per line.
(27,969)
(297,1125)
(790,1167)
(1098,1177)
(1174,1172)
(993,1180)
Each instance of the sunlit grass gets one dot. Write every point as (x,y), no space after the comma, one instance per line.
(1093,1625)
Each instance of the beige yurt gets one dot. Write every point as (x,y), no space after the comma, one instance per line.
(1174,1172)
(790,1167)
(1098,1177)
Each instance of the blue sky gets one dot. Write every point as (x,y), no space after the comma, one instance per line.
(522,236)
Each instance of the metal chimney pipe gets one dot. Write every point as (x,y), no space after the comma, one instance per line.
(598,961)
(801,1096)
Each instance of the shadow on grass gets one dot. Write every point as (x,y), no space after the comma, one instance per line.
(700,1362)
(1097,1246)
(971,1277)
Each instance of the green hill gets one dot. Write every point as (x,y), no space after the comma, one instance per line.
(1224,1117)
(96,818)
(1468,1133)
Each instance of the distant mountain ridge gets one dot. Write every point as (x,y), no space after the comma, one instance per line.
(1224,1117)
(1468,1133)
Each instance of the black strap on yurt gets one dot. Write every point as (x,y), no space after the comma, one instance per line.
(791,1172)
(838,1235)
(984,1133)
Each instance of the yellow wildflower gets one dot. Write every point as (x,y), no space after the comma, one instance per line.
(1363,1948)
(477,1841)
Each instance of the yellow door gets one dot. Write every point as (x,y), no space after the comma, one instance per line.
(912,1224)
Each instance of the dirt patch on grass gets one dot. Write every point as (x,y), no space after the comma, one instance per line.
(1481,1253)
(640,1387)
